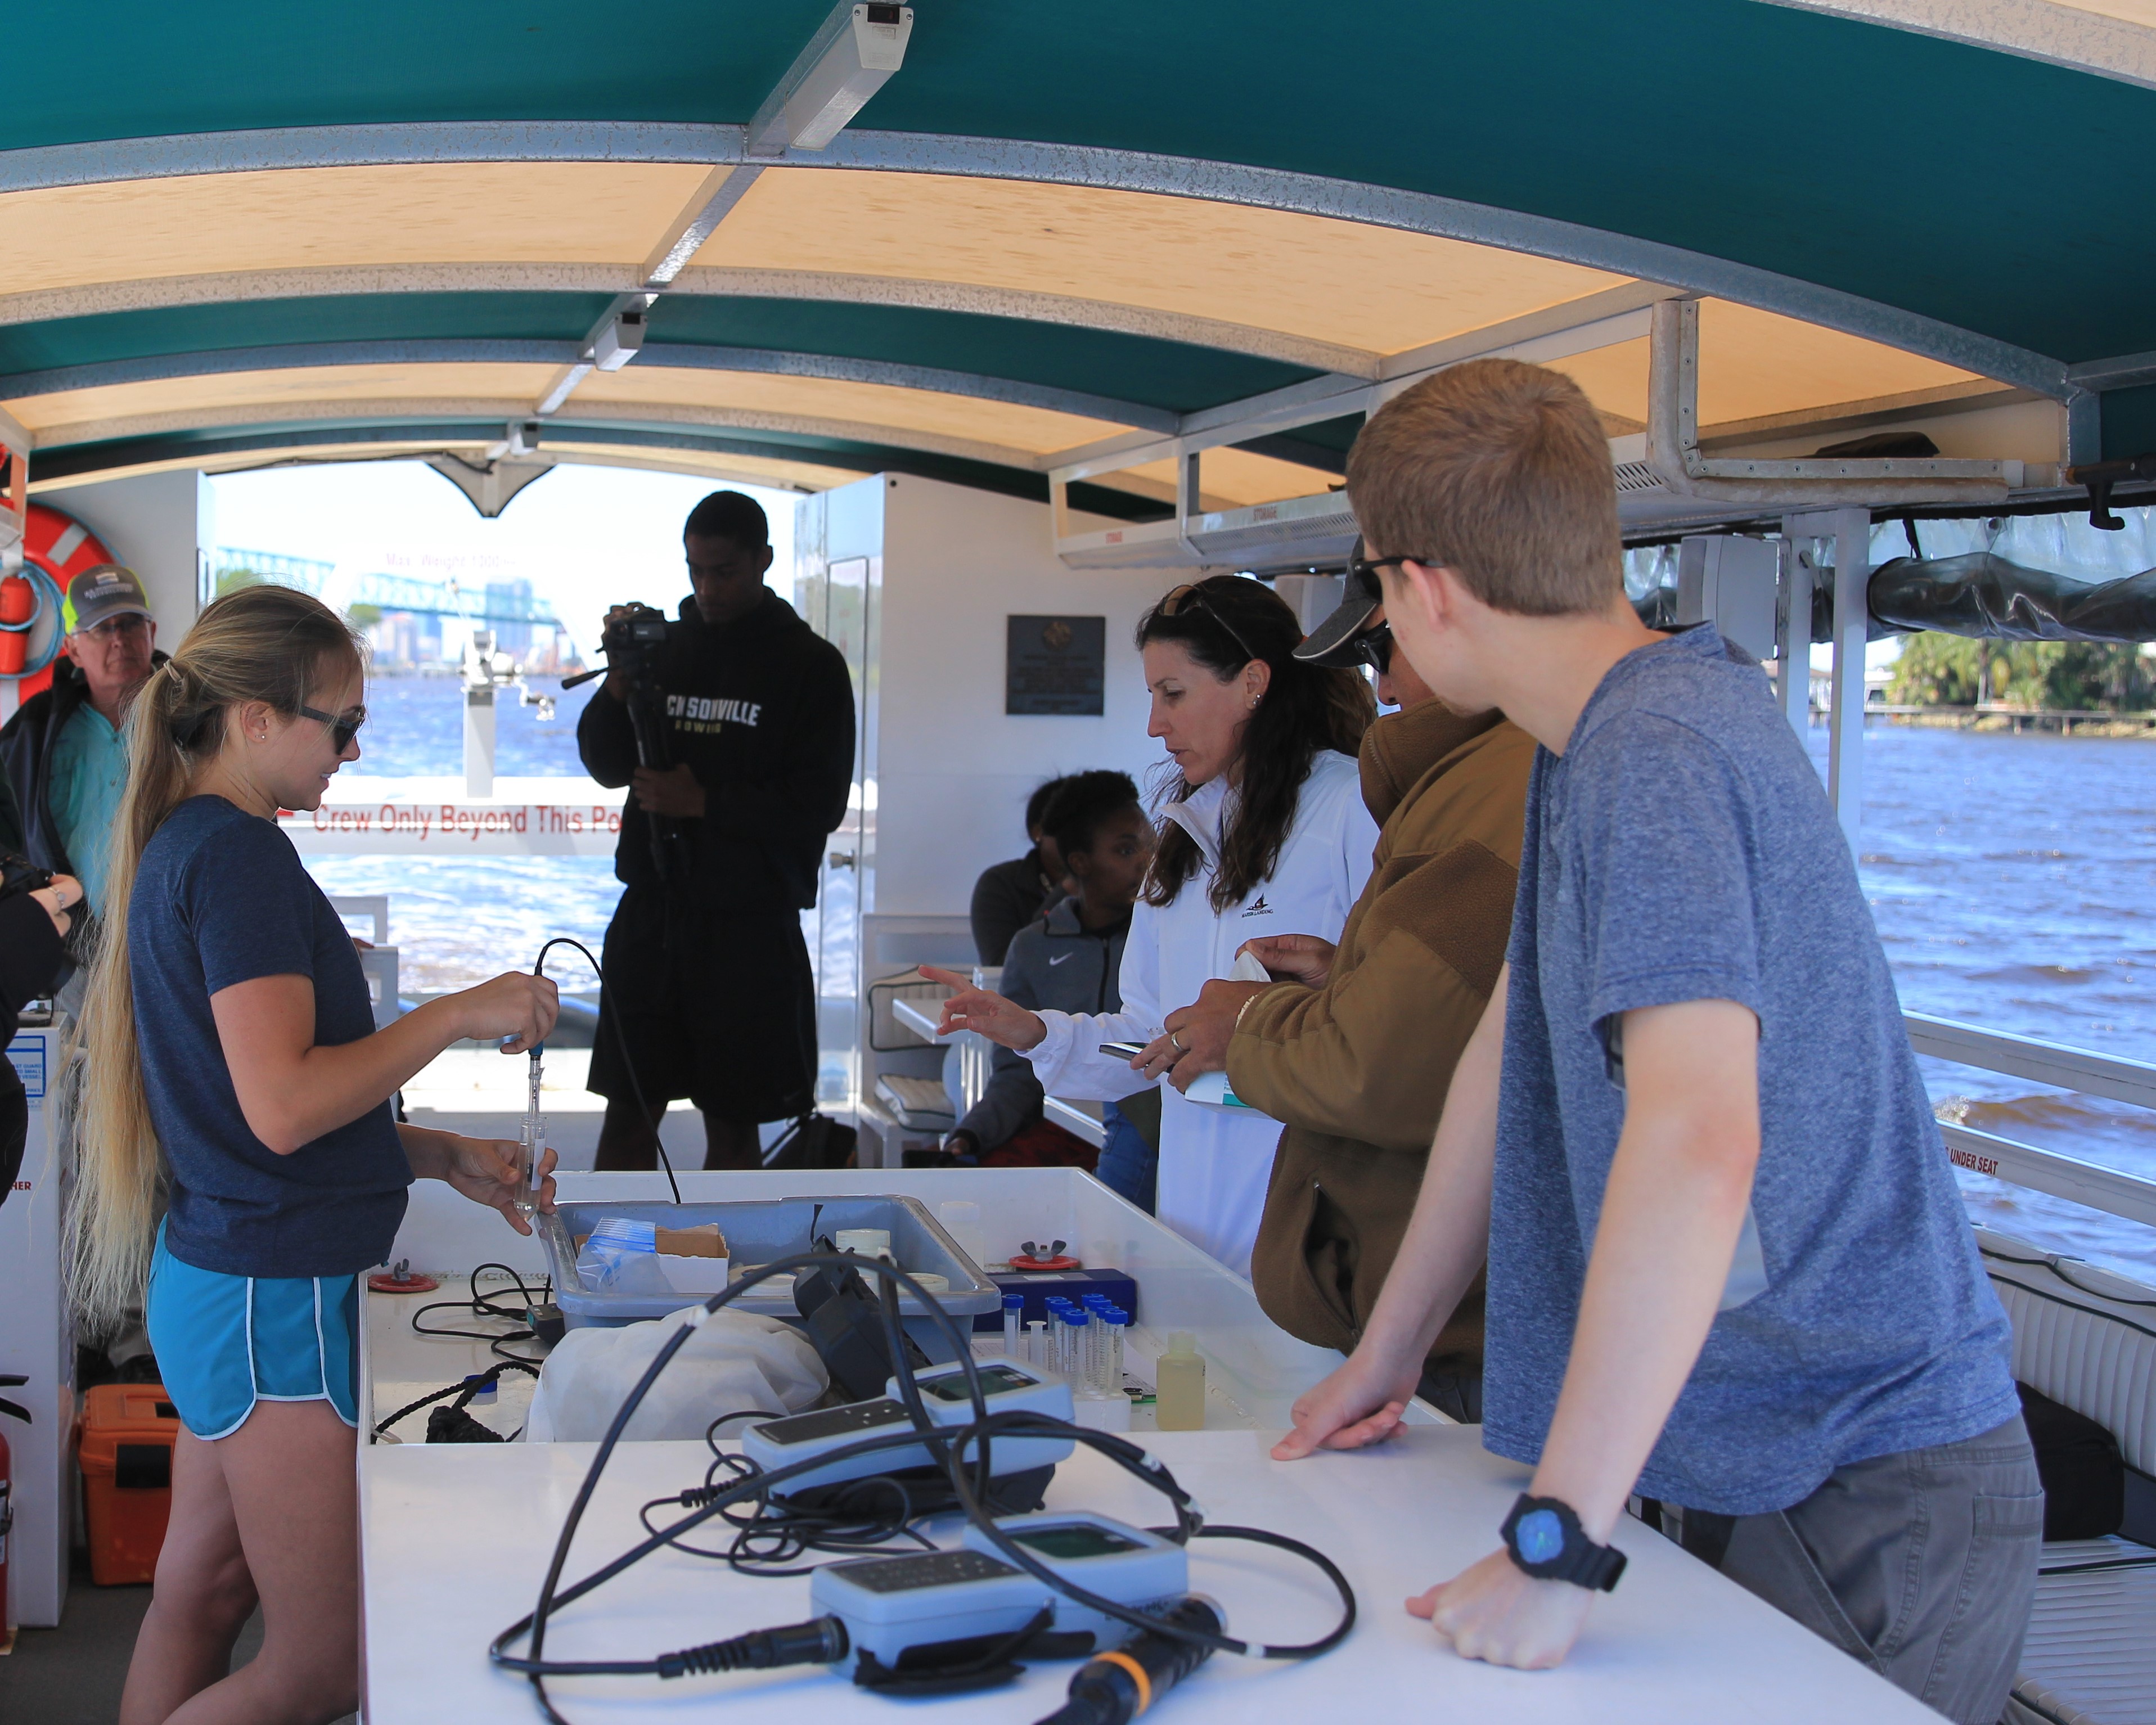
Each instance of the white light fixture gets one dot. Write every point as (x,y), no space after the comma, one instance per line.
(618,340)
(844,63)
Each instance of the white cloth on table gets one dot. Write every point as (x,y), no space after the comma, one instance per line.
(736,1362)
(1215,1162)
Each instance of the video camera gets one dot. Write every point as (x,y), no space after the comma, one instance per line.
(631,645)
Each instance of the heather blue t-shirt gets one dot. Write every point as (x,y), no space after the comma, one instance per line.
(1681,849)
(221,898)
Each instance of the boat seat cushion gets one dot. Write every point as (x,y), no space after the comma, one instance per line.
(2089,1658)
(2083,1337)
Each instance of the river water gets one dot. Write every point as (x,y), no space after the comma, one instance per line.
(2013,880)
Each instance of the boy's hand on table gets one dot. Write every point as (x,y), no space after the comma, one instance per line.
(1360,1404)
(1495,1611)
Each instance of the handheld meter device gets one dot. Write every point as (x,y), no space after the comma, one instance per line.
(898,1608)
(1005,1385)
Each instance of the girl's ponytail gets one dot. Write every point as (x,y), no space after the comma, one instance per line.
(268,644)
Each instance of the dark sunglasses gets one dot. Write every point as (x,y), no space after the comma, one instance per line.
(1363,570)
(1191,596)
(343,726)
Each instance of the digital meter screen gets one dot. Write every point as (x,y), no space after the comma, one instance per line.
(1078,1540)
(995,1380)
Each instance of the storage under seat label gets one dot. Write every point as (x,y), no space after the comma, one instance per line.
(28,1053)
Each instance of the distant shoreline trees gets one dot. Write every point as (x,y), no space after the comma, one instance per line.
(2071,676)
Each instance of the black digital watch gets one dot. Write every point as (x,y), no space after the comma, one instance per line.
(1544,1537)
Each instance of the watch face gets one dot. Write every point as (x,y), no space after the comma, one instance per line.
(1540,1536)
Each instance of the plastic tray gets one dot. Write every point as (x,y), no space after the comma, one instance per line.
(756,1233)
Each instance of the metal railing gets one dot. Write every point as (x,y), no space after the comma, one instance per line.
(2109,1190)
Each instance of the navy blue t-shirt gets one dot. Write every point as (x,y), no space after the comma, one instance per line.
(1681,849)
(221,898)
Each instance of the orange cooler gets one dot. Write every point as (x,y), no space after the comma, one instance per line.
(126,1452)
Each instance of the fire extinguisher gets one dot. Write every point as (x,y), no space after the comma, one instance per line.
(9,1381)
(19,604)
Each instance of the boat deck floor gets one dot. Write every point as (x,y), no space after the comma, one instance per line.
(73,1675)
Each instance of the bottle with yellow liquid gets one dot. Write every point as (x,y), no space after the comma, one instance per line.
(1180,1386)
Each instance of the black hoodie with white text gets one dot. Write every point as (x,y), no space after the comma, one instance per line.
(761,711)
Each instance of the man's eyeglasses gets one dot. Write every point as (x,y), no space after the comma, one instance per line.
(343,726)
(127,622)
(1191,597)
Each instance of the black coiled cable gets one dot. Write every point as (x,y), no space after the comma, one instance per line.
(948,1444)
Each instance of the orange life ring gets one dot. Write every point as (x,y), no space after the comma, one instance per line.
(63,547)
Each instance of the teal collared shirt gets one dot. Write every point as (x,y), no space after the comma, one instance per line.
(89,781)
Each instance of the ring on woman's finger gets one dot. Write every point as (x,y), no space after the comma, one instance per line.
(1176,1042)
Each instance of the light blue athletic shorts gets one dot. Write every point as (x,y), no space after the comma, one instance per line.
(224,1343)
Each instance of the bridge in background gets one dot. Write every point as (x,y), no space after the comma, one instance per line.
(497,602)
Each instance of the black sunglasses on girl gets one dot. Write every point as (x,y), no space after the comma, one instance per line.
(343,726)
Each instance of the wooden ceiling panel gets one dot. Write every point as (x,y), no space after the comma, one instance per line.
(1032,430)
(271,391)
(1228,479)
(1754,363)
(1374,289)
(490,213)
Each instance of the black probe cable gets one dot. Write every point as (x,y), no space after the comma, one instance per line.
(482,1305)
(1016,1422)
(940,1439)
(536,1666)
(621,1048)
(1190,1525)
(776,1533)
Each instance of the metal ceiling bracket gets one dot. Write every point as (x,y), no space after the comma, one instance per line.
(1188,500)
(1672,446)
(722,189)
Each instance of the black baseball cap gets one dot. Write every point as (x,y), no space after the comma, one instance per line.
(1347,637)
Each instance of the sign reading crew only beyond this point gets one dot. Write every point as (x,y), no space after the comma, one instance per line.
(1056,666)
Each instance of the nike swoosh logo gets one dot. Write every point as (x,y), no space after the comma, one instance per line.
(1053,962)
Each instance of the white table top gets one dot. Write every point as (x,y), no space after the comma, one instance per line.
(456,1538)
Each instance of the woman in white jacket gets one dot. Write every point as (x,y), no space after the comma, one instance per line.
(1263,833)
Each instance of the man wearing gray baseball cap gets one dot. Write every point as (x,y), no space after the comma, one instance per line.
(65,751)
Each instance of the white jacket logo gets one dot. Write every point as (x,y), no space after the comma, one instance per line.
(711,710)
(1259,908)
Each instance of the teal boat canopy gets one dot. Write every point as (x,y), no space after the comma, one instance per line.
(1074,243)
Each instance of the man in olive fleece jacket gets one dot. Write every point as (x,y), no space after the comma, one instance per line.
(1357,1056)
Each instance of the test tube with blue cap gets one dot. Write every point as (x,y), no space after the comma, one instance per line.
(1112,1366)
(1014,1323)
(1078,1332)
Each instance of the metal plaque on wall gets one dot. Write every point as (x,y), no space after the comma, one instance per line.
(1056,665)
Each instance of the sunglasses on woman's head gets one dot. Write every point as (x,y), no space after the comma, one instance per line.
(343,726)
(1191,596)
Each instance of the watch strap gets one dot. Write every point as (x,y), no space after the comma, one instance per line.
(1543,1538)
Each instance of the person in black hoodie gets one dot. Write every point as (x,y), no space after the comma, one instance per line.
(33,924)
(706,974)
